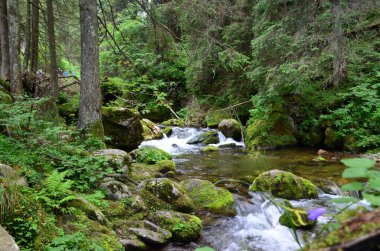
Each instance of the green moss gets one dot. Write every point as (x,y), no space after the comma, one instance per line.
(349,228)
(273,132)
(150,130)
(165,166)
(207,196)
(172,193)
(332,140)
(213,118)
(184,227)
(5,98)
(94,232)
(284,185)
(168,130)
(151,155)
(96,129)
(174,122)
(210,149)
(205,138)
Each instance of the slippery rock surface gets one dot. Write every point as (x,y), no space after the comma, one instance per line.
(284,185)
(230,128)
(207,196)
(123,126)
(170,192)
(184,227)
(115,190)
(7,243)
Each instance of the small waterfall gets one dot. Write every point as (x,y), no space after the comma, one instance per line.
(256,227)
(177,142)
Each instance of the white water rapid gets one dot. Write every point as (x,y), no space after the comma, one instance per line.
(176,143)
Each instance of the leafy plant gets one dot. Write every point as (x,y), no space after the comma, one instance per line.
(56,191)
(359,168)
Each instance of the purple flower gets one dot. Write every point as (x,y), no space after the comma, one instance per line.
(315,213)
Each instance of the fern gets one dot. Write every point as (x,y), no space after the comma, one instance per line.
(56,191)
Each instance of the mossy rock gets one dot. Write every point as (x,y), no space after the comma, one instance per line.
(168,131)
(350,143)
(165,166)
(94,232)
(172,193)
(205,138)
(357,227)
(284,185)
(213,118)
(115,157)
(296,218)
(151,155)
(207,196)
(230,129)
(276,131)
(174,122)
(151,130)
(123,126)
(184,227)
(210,149)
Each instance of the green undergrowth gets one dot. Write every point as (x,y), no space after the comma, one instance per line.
(57,164)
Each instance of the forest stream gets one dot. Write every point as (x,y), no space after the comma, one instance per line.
(256,225)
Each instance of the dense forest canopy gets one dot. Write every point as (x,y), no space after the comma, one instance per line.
(78,77)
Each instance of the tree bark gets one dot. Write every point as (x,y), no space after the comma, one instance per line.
(14,59)
(35,36)
(52,50)
(338,44)
(90,119)
(4,41)
(27,36)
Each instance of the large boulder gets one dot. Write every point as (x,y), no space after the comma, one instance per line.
(213,118)
(123,126)
(184,227)
(205,138)
(165,166)
(114,156)
(115,190)
(284,185)
(207,196)
(151,155)
(7,243)
(275,131)
(7,172)
(170,192)
(151,130)
(230,128)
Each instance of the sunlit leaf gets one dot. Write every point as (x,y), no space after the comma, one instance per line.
(359,163)
(354,186)
(205,249)
(373,199)
(344,200)
(355,172)
(375,183)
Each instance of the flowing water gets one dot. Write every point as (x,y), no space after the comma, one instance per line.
(256,225)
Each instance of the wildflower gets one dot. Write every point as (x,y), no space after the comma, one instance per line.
(315,213)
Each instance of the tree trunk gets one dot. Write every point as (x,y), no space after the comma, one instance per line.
(338,44)
(53,56)
(14,59)
(27,36)
(35,36)
(4,42)
(90,97)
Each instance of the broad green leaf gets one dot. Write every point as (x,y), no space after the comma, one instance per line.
(205,249)
(373,199)
(355,172)
(359,163)
(374,183)
(344,200)
(354,186)
(374,174)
